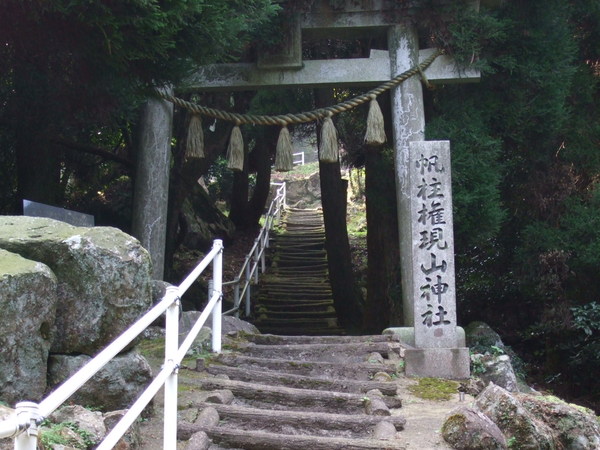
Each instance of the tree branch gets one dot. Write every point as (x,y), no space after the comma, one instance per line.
(86,148)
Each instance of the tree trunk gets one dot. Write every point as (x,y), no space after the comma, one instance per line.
(184,178)
(238,212)
(384,297)
(261,162)
(346,294)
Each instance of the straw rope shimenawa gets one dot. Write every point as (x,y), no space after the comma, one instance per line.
(302,117)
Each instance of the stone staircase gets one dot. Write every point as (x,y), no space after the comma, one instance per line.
(294,392)
(295,294)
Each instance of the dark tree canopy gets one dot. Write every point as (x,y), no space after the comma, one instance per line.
(77,70)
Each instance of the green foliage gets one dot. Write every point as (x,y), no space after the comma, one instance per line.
(476,171)
(76,72)
(219,180)
(55,435)
(525,167)
(585,352)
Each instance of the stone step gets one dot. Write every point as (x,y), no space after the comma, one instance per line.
(292,301)
(300,291)
(302,382)
(348,352)
(280,398)
(354,371)
(297,306)
(301,330)
(296,323)
(267,314)
(272,339)
(302,422)
(299,274)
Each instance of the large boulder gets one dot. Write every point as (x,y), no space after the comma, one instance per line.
(28,305)
(114,387)
(468,428)
(496,369)
(480,334)
(103,277)
(576,427)
(304,192)
(492,360)
(516,422)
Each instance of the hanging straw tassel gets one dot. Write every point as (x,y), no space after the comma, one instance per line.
(375,134)
(329,151)
(235,150)
(284,159)
(194,146)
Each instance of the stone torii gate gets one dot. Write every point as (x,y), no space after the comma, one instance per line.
(422,168)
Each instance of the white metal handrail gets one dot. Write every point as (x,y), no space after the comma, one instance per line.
(250,269)
(23,424)
(299,162)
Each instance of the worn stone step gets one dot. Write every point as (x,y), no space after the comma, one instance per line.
(293,302)
(273,339)
(300,422)
(266,314)
(261,440)
(301,330)
(348,352)
(301,381)
(296,323)
(350,370)
(285,284)
(297,305)
(280,397)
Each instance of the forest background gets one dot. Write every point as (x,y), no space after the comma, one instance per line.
(525,144)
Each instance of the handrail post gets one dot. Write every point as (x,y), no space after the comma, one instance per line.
(284,194)
(263,262)
(248,277)
(217,288)
(171,347)
(255,260)
(27,415)
(236,295)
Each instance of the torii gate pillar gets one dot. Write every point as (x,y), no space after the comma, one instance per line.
(151,190)
(408,125)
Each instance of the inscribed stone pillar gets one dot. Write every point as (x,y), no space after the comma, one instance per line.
(151,191)
(430,182)
(437,352)
(408,125)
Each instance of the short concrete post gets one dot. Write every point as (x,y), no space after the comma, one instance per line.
(27,414)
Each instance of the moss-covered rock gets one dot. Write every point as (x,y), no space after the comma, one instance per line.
(103,277)
(521,428)
(28,305)
(576,427)
(468,428)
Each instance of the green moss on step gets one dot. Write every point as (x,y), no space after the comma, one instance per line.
(434,389)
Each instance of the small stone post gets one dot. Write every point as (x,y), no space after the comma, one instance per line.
(151,191)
